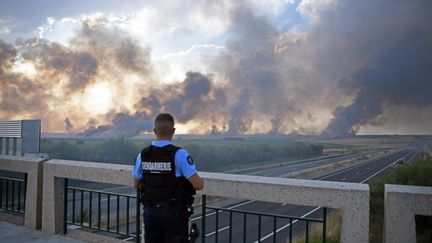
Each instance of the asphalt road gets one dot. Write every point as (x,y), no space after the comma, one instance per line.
(360,173)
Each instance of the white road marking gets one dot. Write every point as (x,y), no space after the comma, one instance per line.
(314,210)
(235,206)
(379,171)
(287,225)
(284,204)
(214,232)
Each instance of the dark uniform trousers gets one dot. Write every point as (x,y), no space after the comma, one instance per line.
(163,224)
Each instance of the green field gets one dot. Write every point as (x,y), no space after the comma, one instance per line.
(209,155)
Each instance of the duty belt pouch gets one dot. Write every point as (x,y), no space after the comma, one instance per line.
(186,212)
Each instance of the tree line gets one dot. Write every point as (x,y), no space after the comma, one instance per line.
(209,155)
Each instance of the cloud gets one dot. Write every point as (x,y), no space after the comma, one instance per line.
(349,69)
(4,27)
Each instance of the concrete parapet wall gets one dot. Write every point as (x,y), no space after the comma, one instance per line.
(401,204)
(54,172)
(351,198)
(33,167)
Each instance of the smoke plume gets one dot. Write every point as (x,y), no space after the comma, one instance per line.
(399,74)
(345,69)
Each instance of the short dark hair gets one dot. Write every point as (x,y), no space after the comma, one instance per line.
(164,124)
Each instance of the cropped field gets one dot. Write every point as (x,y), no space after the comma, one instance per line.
(372,141)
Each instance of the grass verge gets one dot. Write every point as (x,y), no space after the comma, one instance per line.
(416,173)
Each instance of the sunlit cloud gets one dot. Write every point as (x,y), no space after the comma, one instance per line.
(222,67)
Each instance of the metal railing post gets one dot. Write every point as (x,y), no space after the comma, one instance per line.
(230,226)
(82,208)
(73,206)
(25,189)
(118,214)
(127,215)
(1,192)
(99,210)
(290,231)
(259,228)
(13,195)
(65,204)
(90,208)
(244,227)
(138,218)
(274,229)
(19,195)
(324,224)
(108,212)
(203,218)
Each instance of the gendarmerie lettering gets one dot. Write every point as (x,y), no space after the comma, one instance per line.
(156,166)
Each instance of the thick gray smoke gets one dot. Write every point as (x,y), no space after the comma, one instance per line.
(253,70)
(68,125)
(343,70)
(17,91)
(187,100)
(64,74)
(400,74)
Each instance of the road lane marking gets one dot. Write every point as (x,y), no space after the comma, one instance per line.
(314,210)
(379,171)
(234,206)
(284,204)
(344,170)
(287,225)
(214,232)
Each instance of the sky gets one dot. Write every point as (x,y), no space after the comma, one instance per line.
(322,67)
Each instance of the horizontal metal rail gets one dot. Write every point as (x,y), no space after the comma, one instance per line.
(292,220)
(91,215)
(264,214)
(13,194)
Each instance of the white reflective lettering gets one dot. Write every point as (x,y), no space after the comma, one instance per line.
(156,166)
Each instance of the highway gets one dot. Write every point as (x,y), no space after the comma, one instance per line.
(359,173)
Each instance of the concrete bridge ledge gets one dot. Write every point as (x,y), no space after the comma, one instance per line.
(32,166)
(401,204)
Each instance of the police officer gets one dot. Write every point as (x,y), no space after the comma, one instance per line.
(167,178)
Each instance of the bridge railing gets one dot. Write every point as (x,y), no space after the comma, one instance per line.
(13,194)
(83,207)
(352,198)
(401,205)
(263,219)
(31,167)
(401,202)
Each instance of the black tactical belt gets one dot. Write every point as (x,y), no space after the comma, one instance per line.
(161,204)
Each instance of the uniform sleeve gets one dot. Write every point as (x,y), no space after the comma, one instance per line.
(185,164)
(137,170)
